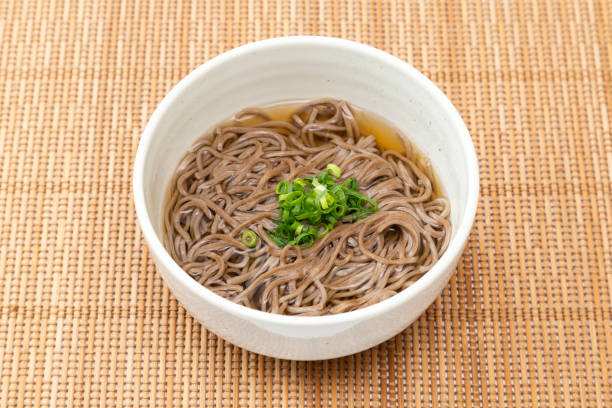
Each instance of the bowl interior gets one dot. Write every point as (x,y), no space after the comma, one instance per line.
(299,70)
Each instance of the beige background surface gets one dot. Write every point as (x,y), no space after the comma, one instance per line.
(86,321)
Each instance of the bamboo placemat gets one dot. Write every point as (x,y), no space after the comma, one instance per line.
(86,321)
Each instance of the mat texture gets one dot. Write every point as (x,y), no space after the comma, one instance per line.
(86,321)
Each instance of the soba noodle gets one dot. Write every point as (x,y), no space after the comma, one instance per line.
(226,184)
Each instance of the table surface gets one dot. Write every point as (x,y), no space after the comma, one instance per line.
(86,321)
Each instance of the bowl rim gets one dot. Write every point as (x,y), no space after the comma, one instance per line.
(456,244)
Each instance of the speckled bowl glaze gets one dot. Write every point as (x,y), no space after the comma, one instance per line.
(299,68)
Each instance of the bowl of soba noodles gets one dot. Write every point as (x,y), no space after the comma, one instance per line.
(306,197)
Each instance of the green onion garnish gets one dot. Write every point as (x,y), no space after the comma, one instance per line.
(249,238)
(310,207)
(334,170)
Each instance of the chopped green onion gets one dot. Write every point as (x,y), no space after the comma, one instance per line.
(309,202)
(310,207)
(291,198)
(275,239)
(298,182)
(320,189)
(283,187)
(249,238)
(297,227)
(303,240)
(334,170)
(373,205)
(283,232)
(328,228)
(351,184)
(325,200)
(314,219)
(285,213)
(338,211)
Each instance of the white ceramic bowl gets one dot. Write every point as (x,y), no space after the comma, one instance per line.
(299,68)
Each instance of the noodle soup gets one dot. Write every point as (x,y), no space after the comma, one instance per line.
(243,200)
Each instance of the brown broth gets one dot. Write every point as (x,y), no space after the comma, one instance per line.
(387,136)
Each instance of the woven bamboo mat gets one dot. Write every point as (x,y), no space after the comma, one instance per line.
(86,321)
